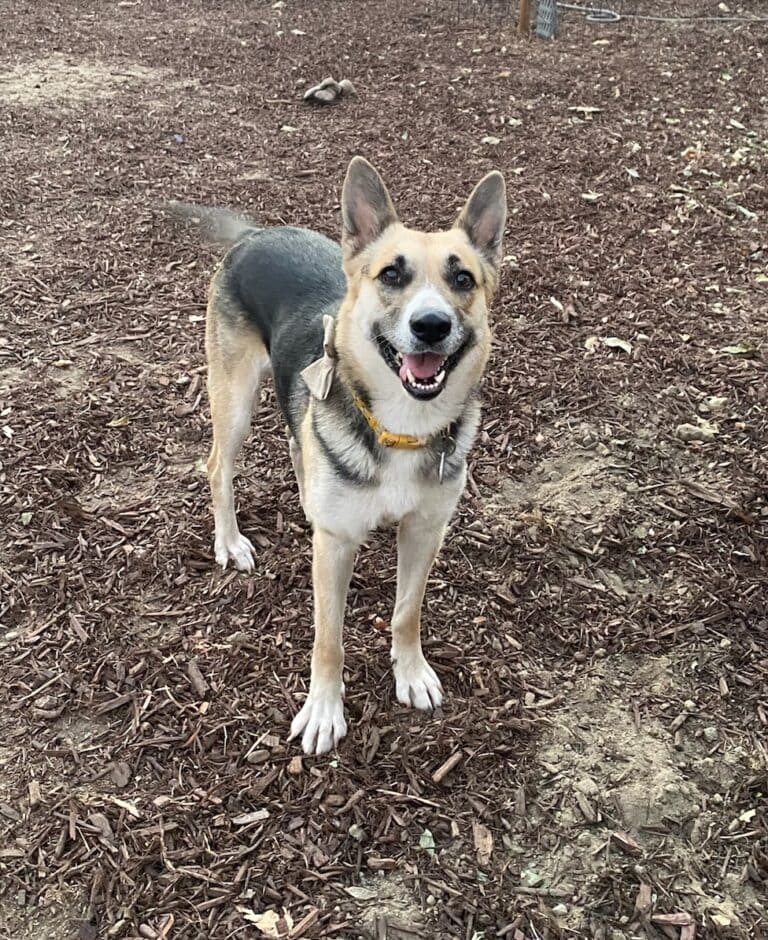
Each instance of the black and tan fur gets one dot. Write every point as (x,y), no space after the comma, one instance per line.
(265,314)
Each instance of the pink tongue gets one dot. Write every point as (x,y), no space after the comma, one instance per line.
(422,365)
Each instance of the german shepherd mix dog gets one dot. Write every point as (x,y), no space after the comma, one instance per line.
(376,349)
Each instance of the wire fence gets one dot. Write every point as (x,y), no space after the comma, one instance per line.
(558,18)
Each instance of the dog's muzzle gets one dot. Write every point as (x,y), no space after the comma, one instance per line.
(423,374)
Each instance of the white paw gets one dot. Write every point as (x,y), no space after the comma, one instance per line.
(237,549)
(320,722)
(416,682)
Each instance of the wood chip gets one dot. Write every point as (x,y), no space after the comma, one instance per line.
(196,678)
(445,768)
(626,843)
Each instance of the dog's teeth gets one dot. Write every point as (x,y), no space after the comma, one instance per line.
(409,375)
(440,378)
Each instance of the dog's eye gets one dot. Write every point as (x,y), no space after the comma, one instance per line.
(463,280)
(391,276)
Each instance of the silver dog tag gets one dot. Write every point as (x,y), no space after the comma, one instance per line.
(449,446)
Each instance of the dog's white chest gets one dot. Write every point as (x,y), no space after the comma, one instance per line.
(352,511)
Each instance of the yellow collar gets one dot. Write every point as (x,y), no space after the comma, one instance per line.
(387,438)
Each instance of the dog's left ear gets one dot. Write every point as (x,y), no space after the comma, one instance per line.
(366,209)
(484,215)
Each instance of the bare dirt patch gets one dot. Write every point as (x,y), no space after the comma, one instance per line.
(622,793)
(62,79)
(57,916)
(574,488)
(387,903)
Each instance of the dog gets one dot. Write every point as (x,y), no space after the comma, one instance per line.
(376,348)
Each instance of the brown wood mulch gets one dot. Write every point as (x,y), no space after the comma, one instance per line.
(146,786)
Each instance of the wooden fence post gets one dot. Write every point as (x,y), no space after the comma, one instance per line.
(524,22)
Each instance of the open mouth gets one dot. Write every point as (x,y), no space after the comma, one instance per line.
(423,374)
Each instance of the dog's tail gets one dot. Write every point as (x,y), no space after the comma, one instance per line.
(216,225)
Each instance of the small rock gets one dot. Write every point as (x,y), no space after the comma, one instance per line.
(258,757)
(689,705)
(530,878)
(35,797)
(329,90)
(357,832)
(712,404)
(559,910)
(711,734)
(587,786)
(703,431)
(296,766)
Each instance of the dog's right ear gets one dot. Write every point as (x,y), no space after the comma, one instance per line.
(366,209)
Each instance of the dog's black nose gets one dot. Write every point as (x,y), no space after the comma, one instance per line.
(431,327)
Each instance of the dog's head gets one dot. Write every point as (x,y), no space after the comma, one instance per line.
(417,306)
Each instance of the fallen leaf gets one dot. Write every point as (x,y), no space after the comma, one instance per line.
(590,196)
(361,893)
(127,806)
(613,342)
(26,518)
(122,422)
(585,109)
(270,923)
(427,842)
(493,141)
(741,349)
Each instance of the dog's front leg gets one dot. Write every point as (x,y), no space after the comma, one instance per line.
(418,542)
(321,719)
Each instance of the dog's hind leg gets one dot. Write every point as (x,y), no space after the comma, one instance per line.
(237,361)
(418,542)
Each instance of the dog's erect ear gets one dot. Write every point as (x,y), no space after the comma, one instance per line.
(484,215)
(366,209)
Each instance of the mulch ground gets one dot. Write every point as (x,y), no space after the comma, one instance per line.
(599,612)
